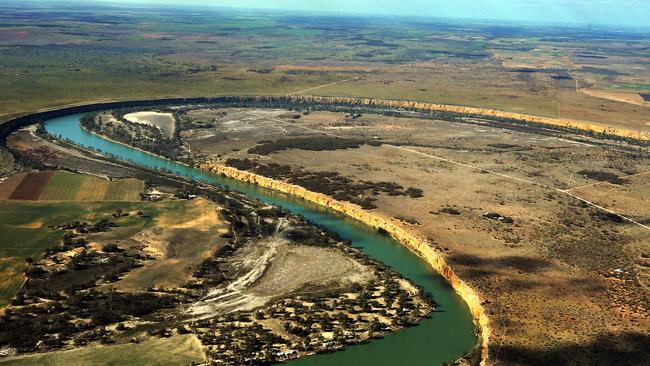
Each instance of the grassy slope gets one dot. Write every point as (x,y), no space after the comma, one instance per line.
(191,233)
(25,234)
(179,350)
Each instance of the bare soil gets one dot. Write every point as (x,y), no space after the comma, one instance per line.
(31,186)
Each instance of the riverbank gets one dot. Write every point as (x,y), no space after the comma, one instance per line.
(582,126)
(443,337)
(415,244)
(570,125)
(130,146)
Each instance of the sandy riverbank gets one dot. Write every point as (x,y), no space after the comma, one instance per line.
(163,121)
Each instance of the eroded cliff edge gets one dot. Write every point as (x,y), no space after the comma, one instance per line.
(417,245)
(577,126)
(561,123)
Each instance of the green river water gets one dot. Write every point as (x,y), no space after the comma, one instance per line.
(445,336)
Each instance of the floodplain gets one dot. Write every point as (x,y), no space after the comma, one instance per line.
(515,213)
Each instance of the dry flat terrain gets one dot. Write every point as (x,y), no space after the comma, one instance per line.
(552,231)
(186,350)
(268,270)
(163,121)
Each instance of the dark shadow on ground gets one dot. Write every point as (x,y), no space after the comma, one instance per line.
(524,264)
(628,349)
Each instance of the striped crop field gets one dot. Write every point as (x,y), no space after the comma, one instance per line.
(124,190)
(8,185)
(63,186)
(32,186)
(67,186)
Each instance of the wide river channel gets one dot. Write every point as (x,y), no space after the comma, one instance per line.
(446,336)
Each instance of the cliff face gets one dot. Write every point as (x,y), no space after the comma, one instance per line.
(417,245)
(9,126)
(555,122)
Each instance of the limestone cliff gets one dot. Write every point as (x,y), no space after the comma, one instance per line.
(418,245)
(584,126)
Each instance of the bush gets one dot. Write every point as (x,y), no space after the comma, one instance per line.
(320,143)
(111,248)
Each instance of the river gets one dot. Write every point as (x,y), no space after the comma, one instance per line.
(445,336)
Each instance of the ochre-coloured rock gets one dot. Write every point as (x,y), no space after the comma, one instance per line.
(419,246)
(397,104)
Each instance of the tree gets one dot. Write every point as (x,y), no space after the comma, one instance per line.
(376,325)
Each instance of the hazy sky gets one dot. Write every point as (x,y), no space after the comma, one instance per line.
(635,13)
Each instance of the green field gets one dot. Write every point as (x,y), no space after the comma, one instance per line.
(63,186)
(175,351)
(124,190)
(66,186)
(24,232)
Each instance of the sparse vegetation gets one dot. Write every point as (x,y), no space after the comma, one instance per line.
(362,193)
(498,217)
(602,176)
(319,143)
(450,210)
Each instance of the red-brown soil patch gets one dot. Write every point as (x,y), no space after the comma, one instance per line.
(8,187)
(31,186)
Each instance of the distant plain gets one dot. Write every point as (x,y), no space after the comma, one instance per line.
(70,55)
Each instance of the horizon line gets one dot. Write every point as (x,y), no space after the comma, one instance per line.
(352,14)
